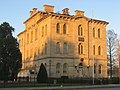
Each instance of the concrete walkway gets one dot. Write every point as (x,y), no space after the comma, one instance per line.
(64,87)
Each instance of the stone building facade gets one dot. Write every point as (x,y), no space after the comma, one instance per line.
(68,45)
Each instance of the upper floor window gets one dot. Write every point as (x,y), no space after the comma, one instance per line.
(42,31)
(64,29)
(45,29)
(80,30)
(27,38)
(58,28)
(36,34)
(57,47)
(31,36)
(93,49)
(99,50)
(94,32)
(65,48)
(99,33)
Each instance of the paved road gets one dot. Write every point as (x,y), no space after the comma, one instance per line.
(101,89)
(65,89)
(94,87)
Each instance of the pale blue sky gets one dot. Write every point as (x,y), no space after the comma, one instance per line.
(17,11)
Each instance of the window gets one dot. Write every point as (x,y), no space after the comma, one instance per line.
(31,51)
(45,29)
(80,30)
(65,68)
(42,31)
(35,52)
(39,51)
(64,29)
(27,54)
(57,28)
(94,68)
(93,49)
(100,69)
(31,36)
(65,48)
(35,34)
(58,68)
(45,48)
(99,33)
(80,49)
(99,50)
(94,32)
(57,47)
(27,38)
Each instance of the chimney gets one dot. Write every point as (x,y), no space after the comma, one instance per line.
(48,8)
(34,10)
(79,13)
(65,11)
(31,13)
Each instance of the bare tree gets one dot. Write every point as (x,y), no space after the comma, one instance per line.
(111,50)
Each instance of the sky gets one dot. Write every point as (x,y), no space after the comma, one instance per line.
(16,12)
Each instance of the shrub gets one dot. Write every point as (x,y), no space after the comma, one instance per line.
(42,76)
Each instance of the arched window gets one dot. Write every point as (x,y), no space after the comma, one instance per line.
(64,29)
(99,33)
(81,49)
(93,49)
(100,69)
(57,47)
(58,68)
(94,32)
(65,48)
(65,68)
(95,68)
(99,50)
(57,28)
(80,30)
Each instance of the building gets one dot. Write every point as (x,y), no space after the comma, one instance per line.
(68,45)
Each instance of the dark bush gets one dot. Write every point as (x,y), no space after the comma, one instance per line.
(42,76)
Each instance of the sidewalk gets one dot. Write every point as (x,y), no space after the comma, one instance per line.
(64,87)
